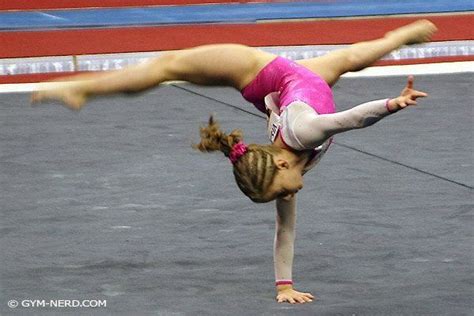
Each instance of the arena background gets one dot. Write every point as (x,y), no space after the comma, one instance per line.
(112,203)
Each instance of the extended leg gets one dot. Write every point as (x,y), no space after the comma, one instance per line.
(229,64)
(360,55)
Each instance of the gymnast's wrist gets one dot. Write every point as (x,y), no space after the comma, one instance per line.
(283,285)
(391,105)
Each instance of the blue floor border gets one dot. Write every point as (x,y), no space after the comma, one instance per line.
(223,13)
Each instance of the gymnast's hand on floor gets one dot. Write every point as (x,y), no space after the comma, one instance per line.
(68,93)
(407,97)
(288,294)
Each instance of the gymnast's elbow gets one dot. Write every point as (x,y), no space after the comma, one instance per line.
(357,121)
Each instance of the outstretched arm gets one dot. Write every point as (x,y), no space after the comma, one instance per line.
(284,251)
(312,130)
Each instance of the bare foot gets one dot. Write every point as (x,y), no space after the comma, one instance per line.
(417,32)
(66,93)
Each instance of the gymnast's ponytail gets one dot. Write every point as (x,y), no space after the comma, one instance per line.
(253,165)
(213,139)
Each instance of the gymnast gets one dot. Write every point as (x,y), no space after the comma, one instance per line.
(297,98)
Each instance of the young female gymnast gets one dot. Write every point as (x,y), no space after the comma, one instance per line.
(298,100)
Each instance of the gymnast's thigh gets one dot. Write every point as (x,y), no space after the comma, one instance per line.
(330,66)
(221,64)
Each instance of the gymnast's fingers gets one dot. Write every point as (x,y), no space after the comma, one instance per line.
(410,82)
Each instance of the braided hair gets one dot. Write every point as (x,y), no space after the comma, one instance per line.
(254,170)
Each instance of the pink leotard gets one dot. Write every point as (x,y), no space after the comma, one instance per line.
(306,117)
(294,83)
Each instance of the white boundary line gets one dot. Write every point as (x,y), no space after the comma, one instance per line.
(379,71)
(420,69)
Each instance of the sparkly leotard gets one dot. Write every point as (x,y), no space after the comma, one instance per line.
(301,109)
(292,82)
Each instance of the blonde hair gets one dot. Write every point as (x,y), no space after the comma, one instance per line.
(254,171)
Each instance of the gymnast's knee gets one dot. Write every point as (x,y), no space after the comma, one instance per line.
(168,66)
(353,59)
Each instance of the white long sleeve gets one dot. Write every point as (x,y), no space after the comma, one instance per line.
(302,128)
(283,250)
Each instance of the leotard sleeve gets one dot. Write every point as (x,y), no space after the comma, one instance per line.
(284,242)
(309,130)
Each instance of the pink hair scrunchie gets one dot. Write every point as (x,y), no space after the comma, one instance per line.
(237,151)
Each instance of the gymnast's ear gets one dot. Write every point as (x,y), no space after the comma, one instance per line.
(281,164)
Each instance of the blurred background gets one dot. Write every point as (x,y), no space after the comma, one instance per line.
(44,39)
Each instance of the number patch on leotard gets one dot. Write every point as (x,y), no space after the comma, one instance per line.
(274,132)
(273,126)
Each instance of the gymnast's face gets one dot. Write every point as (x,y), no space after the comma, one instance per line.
(287,182)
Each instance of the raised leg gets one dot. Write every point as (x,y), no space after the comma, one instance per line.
(229,64)
(360,55)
